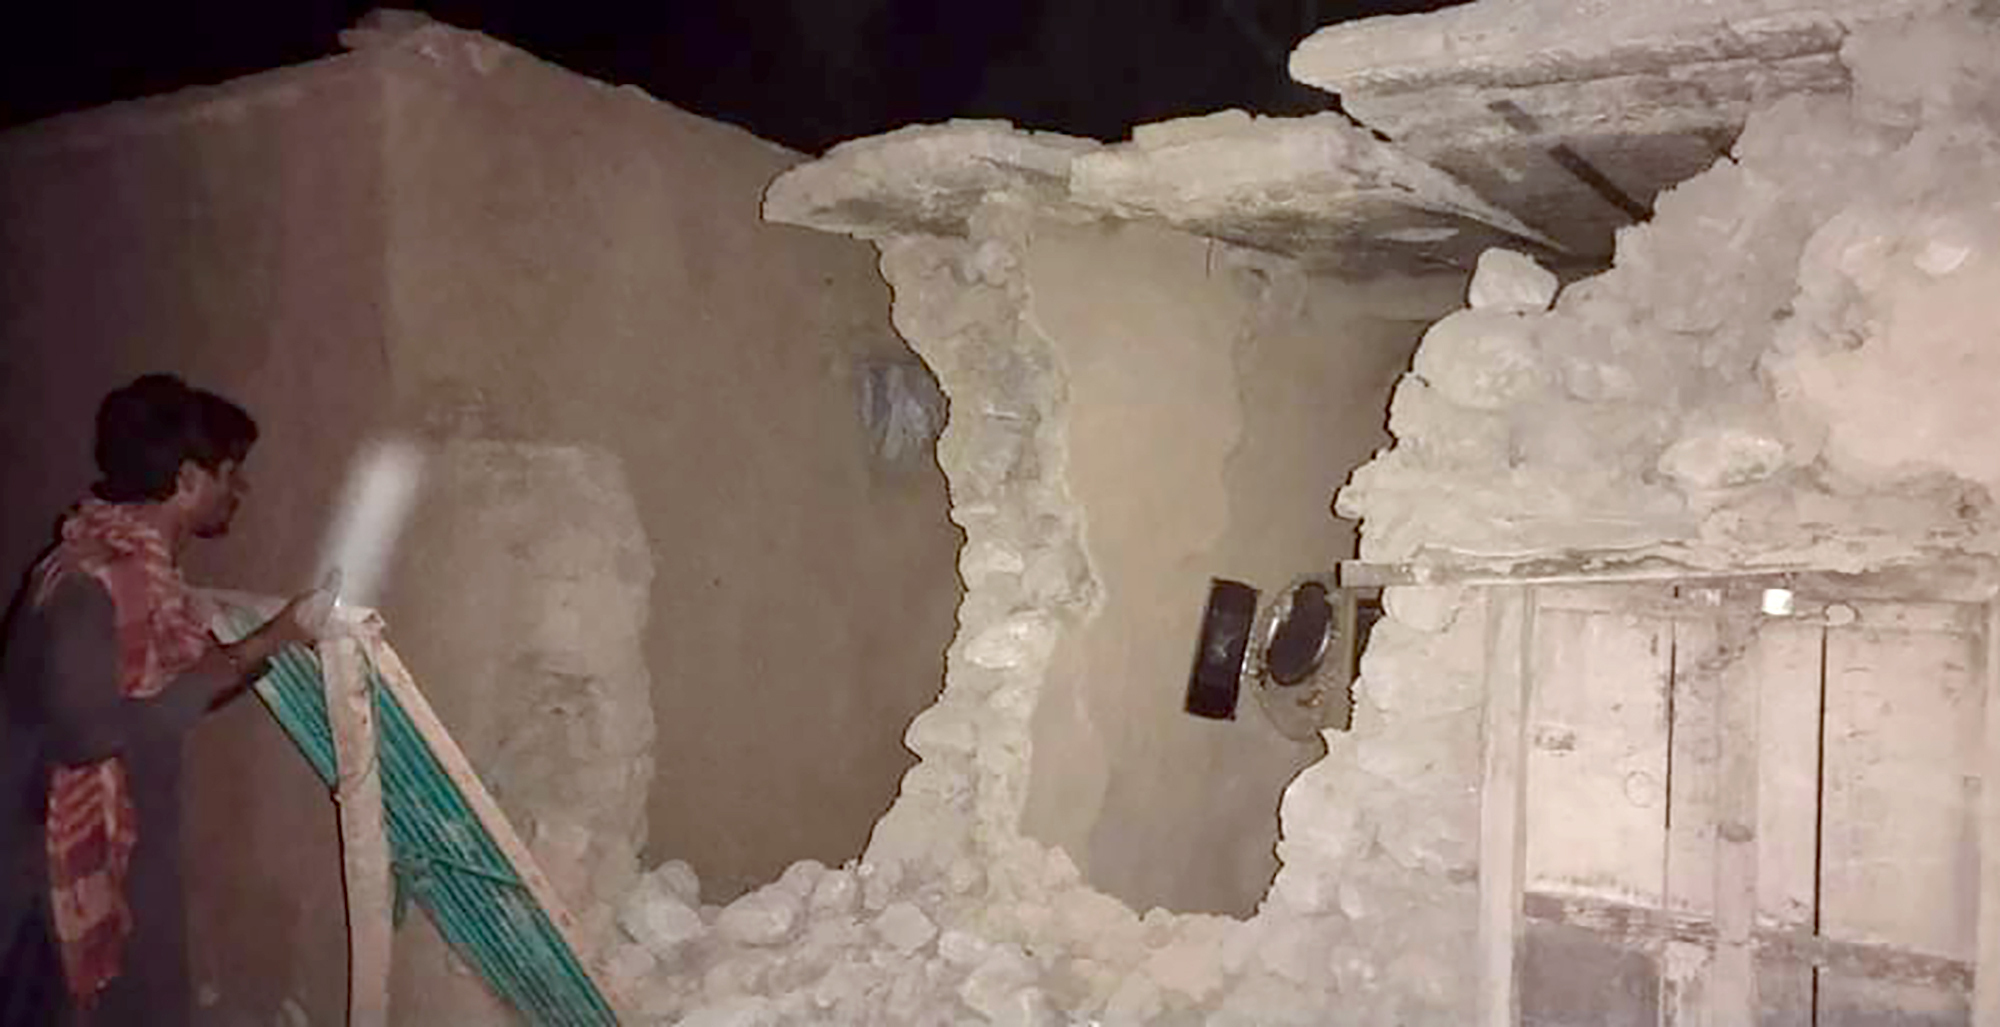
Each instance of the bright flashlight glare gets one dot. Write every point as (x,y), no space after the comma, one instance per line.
(381,487)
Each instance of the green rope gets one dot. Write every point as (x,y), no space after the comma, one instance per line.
(441,855)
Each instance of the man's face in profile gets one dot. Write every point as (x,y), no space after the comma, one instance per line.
(217,496)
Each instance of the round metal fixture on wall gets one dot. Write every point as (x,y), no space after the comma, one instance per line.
(1301,661)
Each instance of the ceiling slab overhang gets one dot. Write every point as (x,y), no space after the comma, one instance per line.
(1542,125)
(924,179)
(1574,114)
(1318,189)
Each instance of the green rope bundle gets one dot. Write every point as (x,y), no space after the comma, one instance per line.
(441,855)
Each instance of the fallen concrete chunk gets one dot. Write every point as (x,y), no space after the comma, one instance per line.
(1511,282)
(925,179)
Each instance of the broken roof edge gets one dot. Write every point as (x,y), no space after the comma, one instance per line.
(924,179)
(1209,175)
(1508,41)
(1231,165)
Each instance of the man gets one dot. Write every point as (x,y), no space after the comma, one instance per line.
(108,661)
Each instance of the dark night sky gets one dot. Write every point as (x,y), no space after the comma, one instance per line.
(806,73)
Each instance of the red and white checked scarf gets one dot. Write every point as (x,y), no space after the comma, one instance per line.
(162,630)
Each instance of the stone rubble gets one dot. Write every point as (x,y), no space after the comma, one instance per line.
(1512,283)
(1788,365)
(1750,382)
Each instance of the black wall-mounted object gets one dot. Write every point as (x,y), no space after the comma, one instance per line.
(1218,658)
(1300,654)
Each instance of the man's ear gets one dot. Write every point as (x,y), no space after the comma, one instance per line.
(187,481)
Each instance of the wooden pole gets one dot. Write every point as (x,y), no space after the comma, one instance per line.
(1986,978)
(1503,828)
(398,681)
(364,847)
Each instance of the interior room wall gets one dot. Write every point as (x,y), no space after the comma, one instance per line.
(1216,403)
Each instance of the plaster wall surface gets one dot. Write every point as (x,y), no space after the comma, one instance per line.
(574,263)
(1215,405)
(542,281)
(530,612)
(236,237)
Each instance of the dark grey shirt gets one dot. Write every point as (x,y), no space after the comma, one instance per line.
(60,705)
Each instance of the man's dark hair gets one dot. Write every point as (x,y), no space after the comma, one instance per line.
(147,429)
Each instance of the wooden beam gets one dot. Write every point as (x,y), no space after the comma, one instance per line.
(1962,580)
(1986,984)
(364,846)
(1503,803)
(1643,927)
(399,682)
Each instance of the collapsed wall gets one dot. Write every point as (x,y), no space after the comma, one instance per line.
(1789,366)
(1786,367)
(952,915)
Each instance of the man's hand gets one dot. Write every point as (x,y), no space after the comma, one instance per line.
(301,622)
(304,619)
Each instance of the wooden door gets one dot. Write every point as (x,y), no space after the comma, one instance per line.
(1728,817)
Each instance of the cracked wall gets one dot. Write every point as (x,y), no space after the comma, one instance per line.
(954,915)
(1691,403)
(1788,366)
(524,589)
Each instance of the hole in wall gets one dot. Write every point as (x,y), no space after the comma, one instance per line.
(1157,807)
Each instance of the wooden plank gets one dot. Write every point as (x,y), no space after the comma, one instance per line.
(1572,976)
(1597,754)
(364,845)
(1904,718)
(1958,580)
(1858,1001)
(1986,997)
(1692,770)
(398,680)
(1510,631)
(1649,927)
(1788,698)
(1744,713)
(1694,759)
(1789,652)
(1739,671)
